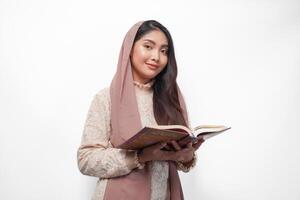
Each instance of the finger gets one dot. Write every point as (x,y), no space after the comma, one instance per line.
(158,145)
(169,155)
(175,145)
(197,145)
(201,140)
(162,145)
(168,147)
(188,145)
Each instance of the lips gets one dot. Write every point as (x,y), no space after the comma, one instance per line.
(152,66)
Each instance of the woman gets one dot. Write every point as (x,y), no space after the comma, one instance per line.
(143,92)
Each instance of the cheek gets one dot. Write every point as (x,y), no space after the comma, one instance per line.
(141,53)
(164,62)
(137,58)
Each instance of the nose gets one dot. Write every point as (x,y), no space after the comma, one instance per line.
(155,56)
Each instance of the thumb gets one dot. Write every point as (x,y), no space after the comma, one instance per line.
(197,145)
(159,145)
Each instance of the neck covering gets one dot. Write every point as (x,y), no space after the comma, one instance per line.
(125,122)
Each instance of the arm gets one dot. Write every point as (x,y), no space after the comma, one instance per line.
(186,167)
(96,156)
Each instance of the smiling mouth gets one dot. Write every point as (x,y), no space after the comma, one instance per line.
(152,66)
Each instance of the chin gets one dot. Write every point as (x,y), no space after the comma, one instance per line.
(151,75)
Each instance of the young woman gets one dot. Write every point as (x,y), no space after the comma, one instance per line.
(143,92)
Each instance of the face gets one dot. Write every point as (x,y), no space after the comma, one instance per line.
(149,56)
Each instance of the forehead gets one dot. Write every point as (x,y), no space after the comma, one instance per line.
(155,36)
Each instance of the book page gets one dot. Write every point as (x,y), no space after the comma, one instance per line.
(207,135)
(172,127)
(209,129)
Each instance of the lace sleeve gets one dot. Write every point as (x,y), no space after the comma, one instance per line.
(186,167)
(96,156)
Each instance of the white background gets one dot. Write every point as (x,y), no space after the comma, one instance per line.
(238,66)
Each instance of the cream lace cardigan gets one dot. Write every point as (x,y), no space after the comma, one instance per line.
(96,156)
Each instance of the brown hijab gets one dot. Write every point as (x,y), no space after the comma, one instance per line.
(125,121)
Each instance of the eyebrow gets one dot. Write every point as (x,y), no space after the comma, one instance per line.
(151,41)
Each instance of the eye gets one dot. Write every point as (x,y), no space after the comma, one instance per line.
(147,46)
(164,51)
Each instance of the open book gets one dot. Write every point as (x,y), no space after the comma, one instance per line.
(150,135)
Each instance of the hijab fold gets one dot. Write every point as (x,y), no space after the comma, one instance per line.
(125,122)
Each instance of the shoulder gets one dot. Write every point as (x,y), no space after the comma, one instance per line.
(103,94)
(102,99)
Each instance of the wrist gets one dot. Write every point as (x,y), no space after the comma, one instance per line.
(186,166)
(141,157)
(140,164)
(189,162)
